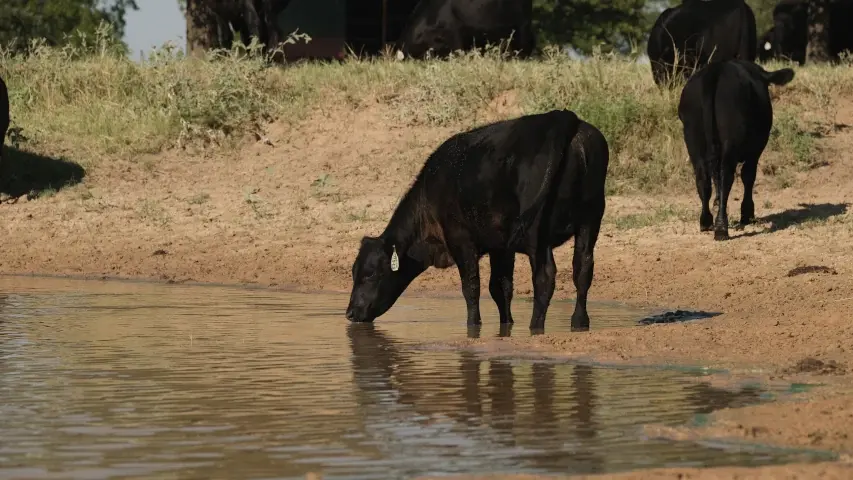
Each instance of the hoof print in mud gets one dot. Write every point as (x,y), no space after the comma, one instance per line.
(676,316)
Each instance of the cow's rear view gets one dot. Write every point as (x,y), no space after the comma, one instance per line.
(525,185)
(726,113)
(698,32)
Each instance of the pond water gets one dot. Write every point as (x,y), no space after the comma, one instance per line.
(120,379)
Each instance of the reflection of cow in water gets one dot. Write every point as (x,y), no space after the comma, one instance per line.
(385,372)
(543,408)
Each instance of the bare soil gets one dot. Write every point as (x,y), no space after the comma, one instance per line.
(288,210)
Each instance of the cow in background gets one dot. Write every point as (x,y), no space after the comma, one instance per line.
(726,114)
(788,38)
(444,26)
(697,32)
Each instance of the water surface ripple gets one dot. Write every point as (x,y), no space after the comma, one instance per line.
(114,379)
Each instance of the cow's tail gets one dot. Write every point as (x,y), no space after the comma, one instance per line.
(709,121)
(568,126)
(778,77)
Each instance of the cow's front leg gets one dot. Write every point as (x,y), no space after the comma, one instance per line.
(544,280)
(469,272)
(500,285)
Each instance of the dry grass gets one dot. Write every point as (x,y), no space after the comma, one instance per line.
(92,104)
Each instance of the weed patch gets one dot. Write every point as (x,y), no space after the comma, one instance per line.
(103,105)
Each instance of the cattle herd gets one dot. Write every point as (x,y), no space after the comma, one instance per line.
(529,184)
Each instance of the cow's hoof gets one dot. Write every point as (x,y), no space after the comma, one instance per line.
(706,222)
(474,331)
(721,235)
(580,322)
(505,330)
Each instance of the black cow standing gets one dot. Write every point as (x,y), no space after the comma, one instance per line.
(788,38)
(727,115)
(525,185)
(4,116)
(448,25)
(697,32)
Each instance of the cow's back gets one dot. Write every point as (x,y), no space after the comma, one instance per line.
(491,15)
(581,190)
(445,25)
(721,29)
(488,177)
(739,103)
(704,31)
(742,104)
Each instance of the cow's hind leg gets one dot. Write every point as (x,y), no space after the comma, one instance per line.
(703,186)
(465,255)
(544,279)
(583,263)
(747,206)
(500,284)
(726,175)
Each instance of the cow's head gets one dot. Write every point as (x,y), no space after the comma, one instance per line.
(765,45)
(789,37)
(380,273)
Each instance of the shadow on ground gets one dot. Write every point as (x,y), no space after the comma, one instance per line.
(808,212)
(677,316)
(25,173)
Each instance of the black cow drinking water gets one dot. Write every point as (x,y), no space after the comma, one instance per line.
(726,113)
(525,185)
(697,32)
(4,116)
(448,25)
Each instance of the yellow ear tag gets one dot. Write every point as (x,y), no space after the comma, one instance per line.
(395,260)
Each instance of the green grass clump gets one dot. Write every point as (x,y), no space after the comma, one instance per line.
(92,103)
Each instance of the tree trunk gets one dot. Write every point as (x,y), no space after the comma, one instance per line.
(818,31)
(202,27)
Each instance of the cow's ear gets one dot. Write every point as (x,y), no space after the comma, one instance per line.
(365,241)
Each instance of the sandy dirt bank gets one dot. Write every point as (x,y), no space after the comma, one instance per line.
(288,212)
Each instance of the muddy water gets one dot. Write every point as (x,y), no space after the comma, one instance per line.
(110,380)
